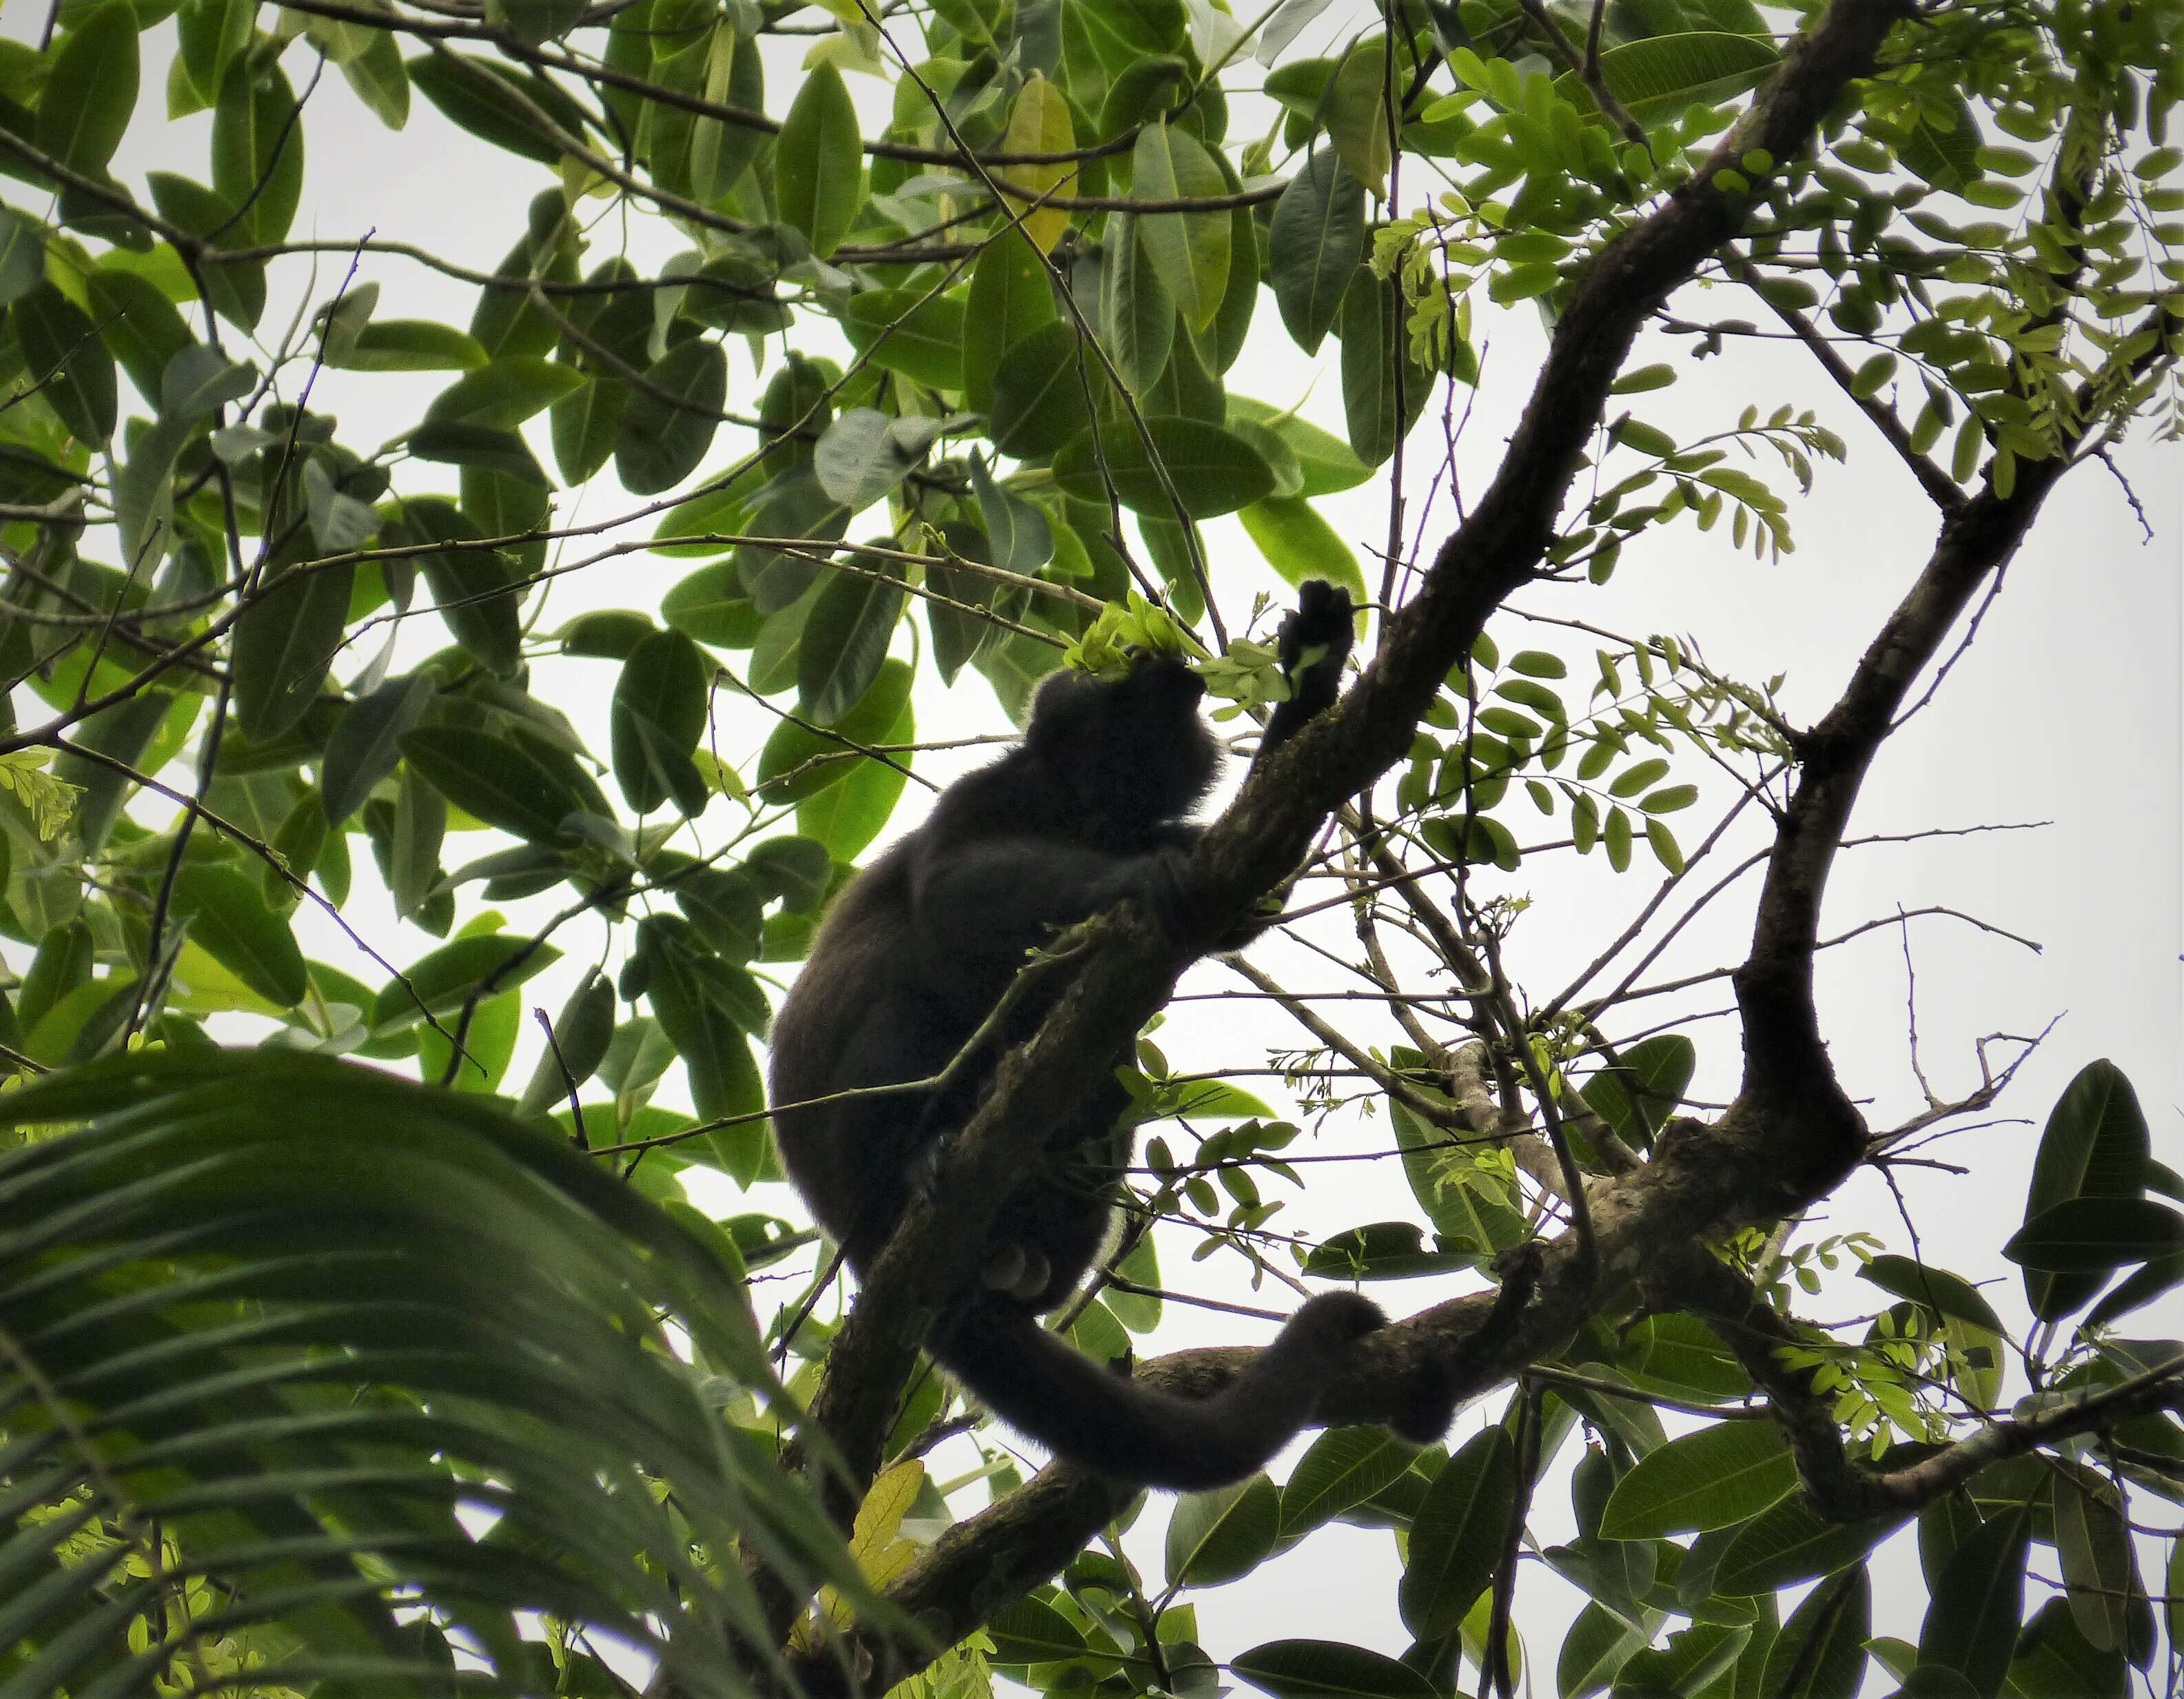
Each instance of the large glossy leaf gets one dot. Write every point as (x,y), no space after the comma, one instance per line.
(1659,79)
(474,589)
(1973,1615)
(1319,237)
(1383,392)
(258,149)
(659,714)
(1639,1093)
(367,743)
(1189,249)
(1039,123)
(314,1363)
(440,981)
(1328,1669)
(1220,1535)
(1788,1544)
(1212,470)
(1342,1468)
(91,92)
(669,422)
(231,920)
(818,161)
(1820,1652)
(284,642)
(1457,1536)
(2095,1144)
(2095,1235)
(1039,392)
(65,354)
(1713,1478)
(494,778)
(1010,296)
(846,639)
(1299,544)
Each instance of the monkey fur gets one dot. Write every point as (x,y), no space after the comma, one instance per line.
(1091,808)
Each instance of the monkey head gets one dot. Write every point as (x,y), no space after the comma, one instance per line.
(1133,748)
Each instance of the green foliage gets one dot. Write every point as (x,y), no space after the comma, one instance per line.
(541,631)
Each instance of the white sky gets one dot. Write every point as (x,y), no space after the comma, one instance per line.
(2066,710)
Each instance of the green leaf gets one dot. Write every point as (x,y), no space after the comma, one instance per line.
(489,101)
(1787,1544)
(535,21)
(1973,1614)
(1010,296)
(22,257)
(1637,1097)
(2094,1234)
(1328,1669)
(696,1004)
(1213,470)
(2099,1570)
(1325,460)
(586,424)
(799,762)
(442,980)
(1679,1354)
(1950,1296)
(476,590)
(365,744)
(1820,1652)
(229,920)
(711,605)
(495,779)
(670,420)
(1340,1469)
(1377,371)
(1659,79)
(848,816)
(1713,1478)
(257,149)
(1137,315)
(1299,544)
(504,392)
(1032,1632)
(818,161)
(1038,392)
(1189,249)
(660,712)
(380,80)
(864,454)
(846,639)
(62,349)
(910,331)
(409,345)
(91,92)
(285,641)
(1457,1536)
(415,1391)
(1318,240)
(2095,1144)
(1223,1535)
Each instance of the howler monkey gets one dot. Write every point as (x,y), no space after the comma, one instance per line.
(1091,808)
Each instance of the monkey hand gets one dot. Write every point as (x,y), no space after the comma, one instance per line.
(1316,636)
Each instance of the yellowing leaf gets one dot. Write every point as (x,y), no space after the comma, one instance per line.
(1039,124)
(49,801)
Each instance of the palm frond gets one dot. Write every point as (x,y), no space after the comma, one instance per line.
(314,1379)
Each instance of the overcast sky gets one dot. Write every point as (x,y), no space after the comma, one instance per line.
(2066,710)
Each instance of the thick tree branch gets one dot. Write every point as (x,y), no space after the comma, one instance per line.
(1838,1488)
(1257,844)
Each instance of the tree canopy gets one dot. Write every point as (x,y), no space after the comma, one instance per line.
(395,694)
